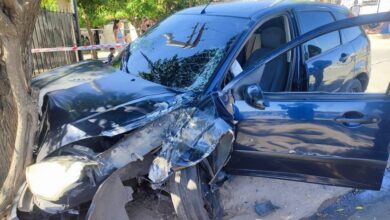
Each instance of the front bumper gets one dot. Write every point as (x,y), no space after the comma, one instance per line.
(25,208)
(107,203)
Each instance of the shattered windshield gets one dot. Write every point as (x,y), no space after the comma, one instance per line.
(183,51)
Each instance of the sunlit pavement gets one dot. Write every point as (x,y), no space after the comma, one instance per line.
(357,204)
(380,75)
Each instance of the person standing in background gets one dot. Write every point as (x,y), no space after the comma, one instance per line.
(355,9)
(96,36)
(119,37)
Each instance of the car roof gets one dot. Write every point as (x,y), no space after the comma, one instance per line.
(250,9)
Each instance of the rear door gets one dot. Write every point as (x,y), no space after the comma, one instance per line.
(327,61)
(328,138)
(360,43)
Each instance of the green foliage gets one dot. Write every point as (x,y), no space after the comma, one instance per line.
(93,11)
(100,12)
(157,9)
(49,5)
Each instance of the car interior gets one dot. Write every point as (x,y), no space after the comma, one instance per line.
(269,36)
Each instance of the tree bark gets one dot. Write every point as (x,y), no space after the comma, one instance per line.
(18,112)
(91,37)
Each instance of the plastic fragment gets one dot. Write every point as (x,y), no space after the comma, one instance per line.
(265,208)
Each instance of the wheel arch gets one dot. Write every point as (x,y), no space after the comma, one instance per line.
(364,79)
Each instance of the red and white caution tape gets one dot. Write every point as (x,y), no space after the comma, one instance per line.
(75,48)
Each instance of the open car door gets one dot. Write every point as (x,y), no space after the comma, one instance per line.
(327,138)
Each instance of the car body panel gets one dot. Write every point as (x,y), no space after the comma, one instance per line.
(302,136)
(361,51)
(362,56)
(69,76)
(331,71)
(298,136)
(100,107)
(326,72)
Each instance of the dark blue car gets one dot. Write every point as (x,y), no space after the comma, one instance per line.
(250,88)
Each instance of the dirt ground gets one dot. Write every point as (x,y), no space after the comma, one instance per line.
(150,205)
(296,200)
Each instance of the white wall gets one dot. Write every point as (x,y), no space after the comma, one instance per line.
(370,9)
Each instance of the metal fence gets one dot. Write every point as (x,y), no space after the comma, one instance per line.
(53,29)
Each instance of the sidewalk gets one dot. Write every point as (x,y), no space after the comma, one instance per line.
(380,60)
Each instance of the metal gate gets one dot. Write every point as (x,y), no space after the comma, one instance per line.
(53,29)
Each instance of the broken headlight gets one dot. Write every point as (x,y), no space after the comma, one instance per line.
(53,178)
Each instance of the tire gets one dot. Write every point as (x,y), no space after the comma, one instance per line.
(191,195)
(354,86)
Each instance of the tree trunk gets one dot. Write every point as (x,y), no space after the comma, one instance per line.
(137,23)
(91,37)
(18,112)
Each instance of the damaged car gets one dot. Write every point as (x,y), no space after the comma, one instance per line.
(190,105)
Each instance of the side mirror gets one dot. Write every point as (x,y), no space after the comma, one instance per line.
(313,50)
(253,96)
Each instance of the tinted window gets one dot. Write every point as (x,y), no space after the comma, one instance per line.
(183,51)
(351,34)
(348,34)
(310,20)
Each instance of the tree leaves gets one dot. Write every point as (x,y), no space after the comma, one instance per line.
(100,12)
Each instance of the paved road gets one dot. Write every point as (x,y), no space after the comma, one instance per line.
(365,204)
(380,57)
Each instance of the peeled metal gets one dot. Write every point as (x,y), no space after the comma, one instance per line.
(195,135)
(185,134)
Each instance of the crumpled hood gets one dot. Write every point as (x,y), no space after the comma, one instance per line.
(69,76)
(105,106)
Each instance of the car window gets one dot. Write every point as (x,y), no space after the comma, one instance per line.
(351,34)
(183,51)
(310,20)
(329,73)
(348,34)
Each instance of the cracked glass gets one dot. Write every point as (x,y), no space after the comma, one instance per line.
(183,51)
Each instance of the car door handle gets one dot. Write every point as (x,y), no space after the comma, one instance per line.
(356,121)
(344,57)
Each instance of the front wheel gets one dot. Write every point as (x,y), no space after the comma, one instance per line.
(354,86)
(192,196)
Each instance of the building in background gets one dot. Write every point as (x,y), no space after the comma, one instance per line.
(374,6)
(368,6)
